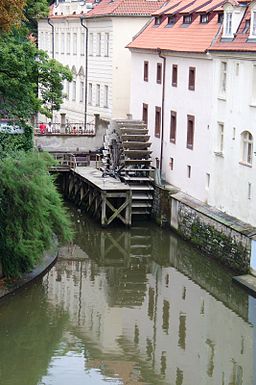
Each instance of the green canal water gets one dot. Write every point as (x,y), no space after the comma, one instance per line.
(129,307)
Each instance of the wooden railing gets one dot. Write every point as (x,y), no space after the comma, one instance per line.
(71,160)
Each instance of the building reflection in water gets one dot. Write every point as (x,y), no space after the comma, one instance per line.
(154,308)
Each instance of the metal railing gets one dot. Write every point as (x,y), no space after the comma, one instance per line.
(66,129)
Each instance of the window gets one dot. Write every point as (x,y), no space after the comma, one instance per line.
(220,18)
(82,50)
(220,138)
(190,131)
(253,23)
(204,19)
(208,178)
(187,19)
(90,94)
(106,96)
(191,78)
(81,99)
(74,90)
(67,89)
(90,44)
(223,77)
(158,20)
(98,44)
(106,49)
(97,94)
(157,121)
(62,42)
(173,127)
(68,43)
(57,43)
(174,75)
(159,73)
(46,41)
(171,163)
(189,171)
(145,71)
(228,24)
(74,43)
(249,191)
(171,20)
(253,83)
(247,147)
(145,113)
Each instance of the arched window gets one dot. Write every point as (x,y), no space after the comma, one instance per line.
(74,83)
(81,87)
(246,147)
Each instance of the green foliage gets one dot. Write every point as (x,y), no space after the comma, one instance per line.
(23,69)
(31,211)
(10,144)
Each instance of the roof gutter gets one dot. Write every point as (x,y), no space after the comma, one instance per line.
(162,108)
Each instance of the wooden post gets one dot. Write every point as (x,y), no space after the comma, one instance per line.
(103,209)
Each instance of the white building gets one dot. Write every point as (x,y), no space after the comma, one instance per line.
(193,82)
(233,188)
(109,28)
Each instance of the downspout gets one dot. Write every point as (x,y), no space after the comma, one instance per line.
(163,103)
(86,71)
(49,22)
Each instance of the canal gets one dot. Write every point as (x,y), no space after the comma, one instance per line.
(129,307)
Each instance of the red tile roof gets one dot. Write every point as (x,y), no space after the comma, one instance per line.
(194,37)
(240,42)
(125,8)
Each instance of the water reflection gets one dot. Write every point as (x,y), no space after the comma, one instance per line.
(137,307)
(144,318)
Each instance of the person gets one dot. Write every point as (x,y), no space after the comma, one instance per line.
(49,128)
(42,128)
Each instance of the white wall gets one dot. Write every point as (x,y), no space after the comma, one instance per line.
(229,187)
(185,102)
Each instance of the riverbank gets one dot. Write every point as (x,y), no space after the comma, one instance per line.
(11,286)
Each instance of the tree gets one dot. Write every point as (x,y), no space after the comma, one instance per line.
(11,14)
(31,211)
(23,69)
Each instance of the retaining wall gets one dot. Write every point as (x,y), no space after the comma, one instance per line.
(215,233)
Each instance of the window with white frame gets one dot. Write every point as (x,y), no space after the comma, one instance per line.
(67,89)
(57,42)
(82,48)
(220,138)
(47,41)
(106,44)
(253,24)
(81,99)
(74,43)
(62,43)
(98,44)
(106,96)
(246,147)
(223,77)
(74,90)
(97,94)
(68,43)
(253,83)
(228,23)
(41,41)
(90,94)
(90,44)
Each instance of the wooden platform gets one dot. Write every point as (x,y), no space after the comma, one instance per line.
(106,198)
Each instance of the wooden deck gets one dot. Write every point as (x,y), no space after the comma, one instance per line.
(105,198)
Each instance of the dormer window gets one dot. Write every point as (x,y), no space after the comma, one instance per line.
(158,20)
(171,20)
(204,19)
(228,24)
(187,19)
(253,22)
(220,18)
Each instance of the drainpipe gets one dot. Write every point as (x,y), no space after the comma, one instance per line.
(86,71)
(49,22)
(163,102)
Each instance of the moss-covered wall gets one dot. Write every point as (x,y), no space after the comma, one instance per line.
(211,231)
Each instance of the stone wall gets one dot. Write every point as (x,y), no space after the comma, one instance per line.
(213,232)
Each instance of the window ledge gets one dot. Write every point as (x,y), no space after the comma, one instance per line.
(245,164)
(219,153)
(222,97)
(252,104)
